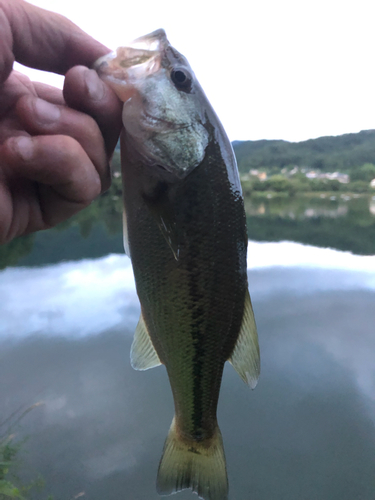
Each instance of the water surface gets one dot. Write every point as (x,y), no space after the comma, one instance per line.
(306,432)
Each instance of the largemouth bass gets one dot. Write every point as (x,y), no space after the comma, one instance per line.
(185,232)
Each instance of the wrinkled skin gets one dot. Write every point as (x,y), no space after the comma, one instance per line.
(55,145)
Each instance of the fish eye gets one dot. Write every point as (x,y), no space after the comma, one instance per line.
(181,79)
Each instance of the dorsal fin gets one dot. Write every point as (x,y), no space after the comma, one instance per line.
(142,354)
(245,357)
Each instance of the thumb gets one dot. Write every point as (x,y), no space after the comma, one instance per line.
(45,40)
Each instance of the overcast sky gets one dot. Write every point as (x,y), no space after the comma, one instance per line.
(291,69)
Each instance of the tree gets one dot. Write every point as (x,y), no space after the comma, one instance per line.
(365,173)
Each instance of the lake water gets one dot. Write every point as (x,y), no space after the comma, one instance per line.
(306,433)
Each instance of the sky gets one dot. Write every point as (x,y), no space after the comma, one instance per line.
(291,69)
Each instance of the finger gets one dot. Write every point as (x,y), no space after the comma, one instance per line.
(11,90)
(49,93)
(40,117)
(6,41)
(68,180)
(48,41)
(85,91)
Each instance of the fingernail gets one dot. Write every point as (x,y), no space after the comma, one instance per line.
(95,87)
(46,111)
(24,147)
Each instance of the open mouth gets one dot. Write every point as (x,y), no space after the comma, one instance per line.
(154,121)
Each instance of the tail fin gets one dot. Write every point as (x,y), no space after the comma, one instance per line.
(193,464)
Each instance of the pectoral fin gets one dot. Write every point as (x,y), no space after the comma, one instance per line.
(245,357)
(160,207)
(142,354)
(125,233)
(168,230)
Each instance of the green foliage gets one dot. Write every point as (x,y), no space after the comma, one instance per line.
(329,154)
(364,173)
(277,183)
(325,185)
(8,451)
(299,184)
(257,185)
(8,490)
(359,187)
(15,250)
(10,484)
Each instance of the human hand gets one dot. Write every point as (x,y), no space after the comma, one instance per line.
(54,146)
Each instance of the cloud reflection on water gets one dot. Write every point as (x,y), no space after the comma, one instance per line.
(90,296)
(72,298)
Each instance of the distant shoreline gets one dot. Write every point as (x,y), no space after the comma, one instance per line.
(307,194)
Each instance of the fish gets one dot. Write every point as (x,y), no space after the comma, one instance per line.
(185,232)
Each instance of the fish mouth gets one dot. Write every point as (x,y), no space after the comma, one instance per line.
(126,63)
(164,124)
(154,42)
(142,53)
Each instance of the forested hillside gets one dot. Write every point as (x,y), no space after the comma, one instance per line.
(342,153)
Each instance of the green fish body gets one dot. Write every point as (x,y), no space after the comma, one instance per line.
(185,231)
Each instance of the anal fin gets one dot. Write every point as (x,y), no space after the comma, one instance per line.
(142,354)
(245,357)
